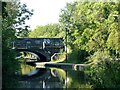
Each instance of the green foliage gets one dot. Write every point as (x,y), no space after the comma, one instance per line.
(9,67)
(50,30)
(25,69)
(61,57)
(104,73)
(12,11)
(93,35)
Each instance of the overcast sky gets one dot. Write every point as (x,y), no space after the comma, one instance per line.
(45,11)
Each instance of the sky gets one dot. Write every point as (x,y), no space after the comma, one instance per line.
(45,11)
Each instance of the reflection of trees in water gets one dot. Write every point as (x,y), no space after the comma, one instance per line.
(40,78)
(25,59)
(25,69)
(74,79)
(78,79)
(61,74)
(44,81)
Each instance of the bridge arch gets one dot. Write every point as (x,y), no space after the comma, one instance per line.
(42,57)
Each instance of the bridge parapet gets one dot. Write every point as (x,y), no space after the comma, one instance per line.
(39,43)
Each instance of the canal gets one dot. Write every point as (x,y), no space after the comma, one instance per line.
(50,77)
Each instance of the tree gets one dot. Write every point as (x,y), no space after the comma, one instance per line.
(50,30)
(13,15)
(93,27)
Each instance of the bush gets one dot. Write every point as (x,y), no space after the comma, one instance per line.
(105,73)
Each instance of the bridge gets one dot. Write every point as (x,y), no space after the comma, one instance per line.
(44,48)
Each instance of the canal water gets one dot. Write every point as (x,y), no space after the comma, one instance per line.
(50,78)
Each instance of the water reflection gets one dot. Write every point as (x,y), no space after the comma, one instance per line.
(45,78)
(26,69)
(32,77)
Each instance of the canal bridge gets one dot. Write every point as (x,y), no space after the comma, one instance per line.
(44,48)
(45,74)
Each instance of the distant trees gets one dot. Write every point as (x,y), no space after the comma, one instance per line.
(50,30)
(13,18)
